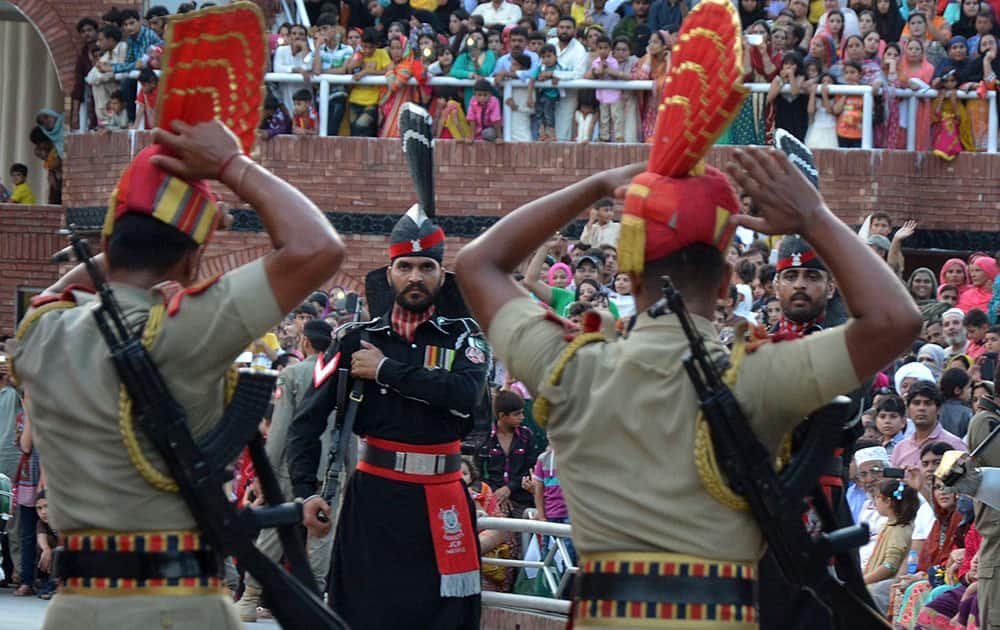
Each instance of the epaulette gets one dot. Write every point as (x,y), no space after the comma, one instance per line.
(65,296)
(471,325)
(541,407)
(174,302)
(42,304)
(371,324)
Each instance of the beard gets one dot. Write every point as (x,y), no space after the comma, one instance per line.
(408,299)
(956,339)
(803,314)
(564,37)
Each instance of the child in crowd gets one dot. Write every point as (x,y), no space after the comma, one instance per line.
(626,109)
(484,113)
(450,121)
(847,109)
(624,300)
(22,192)
(890,420)
(605,67)
(443,63)
(47,542)
(145,102)
(600,229)
(952,132)
(276,119)
(897,502)
(948,293)
(103,84)
(304,114)
(493,543)
(549,501)
(117,119)
(544,120)
(584,118)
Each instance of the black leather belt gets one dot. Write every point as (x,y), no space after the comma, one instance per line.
(667,589)
(411,463)
(134,565)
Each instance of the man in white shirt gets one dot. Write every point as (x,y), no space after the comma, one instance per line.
(498,12)
(573,61)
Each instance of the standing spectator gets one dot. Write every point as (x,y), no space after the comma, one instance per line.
(654,66)
(22,192)
(275,120)
(117,115)
(956,389)
(791,110)
(544,119)
(47,541)
(951,131)
(145,114)
(87,28)
(330,56)
(849,24)
(573,59)
(627,106)
(667,15)
(848,108)
(509,455)
(584,119)
(976,324)
(156,19)
(26,483)
(627,26)
(521,101)
(140,39)
(50,123)
(605,67)
(982,272)
(955,273)
(498,12)
(598,14)
(484,114)
(953,330)
(45,150)
(890,421)
(304,117)
(291,58)
(923,403)
(475,62)
(363,101)
(10,451)
(550,505)
(103,84)
(888,21)
(755,121)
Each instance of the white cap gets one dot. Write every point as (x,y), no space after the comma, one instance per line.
(871,454)
(957,312)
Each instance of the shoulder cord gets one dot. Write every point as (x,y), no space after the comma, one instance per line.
(540,409)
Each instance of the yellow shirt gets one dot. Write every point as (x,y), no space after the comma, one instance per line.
(578,12)
(368,95)
(23,194)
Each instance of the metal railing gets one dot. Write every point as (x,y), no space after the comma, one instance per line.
(555,579)
(868,101)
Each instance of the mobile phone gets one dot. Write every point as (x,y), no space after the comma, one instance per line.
(987,369)
(755,39)
(893,473)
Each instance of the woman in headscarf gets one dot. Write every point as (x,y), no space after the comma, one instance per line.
(916,66)
(744,308)
(405,65)
(932,355)
(956,273)
(888,21)
(751,11)
(909,374)
(922,285)
(983,271)
(755,120)
(51,125)
(654,66)
(980,66)
(822,49)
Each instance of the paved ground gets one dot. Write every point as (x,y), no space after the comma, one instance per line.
(26,613)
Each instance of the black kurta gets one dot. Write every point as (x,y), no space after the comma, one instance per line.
(385,574)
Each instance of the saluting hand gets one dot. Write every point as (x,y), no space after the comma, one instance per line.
(364,362)
(787,202)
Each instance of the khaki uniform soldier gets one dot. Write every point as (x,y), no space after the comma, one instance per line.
(988,524)
(133,557)
(293,382)
(663,541)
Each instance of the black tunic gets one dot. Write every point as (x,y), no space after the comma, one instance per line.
(385,573)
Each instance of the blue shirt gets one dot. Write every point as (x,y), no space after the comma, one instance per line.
(666,16)
(503,65)
(856,497)
(136,48)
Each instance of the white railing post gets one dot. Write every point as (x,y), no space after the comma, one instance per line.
(303,15)
(911,124)
(508,93)
(867,111)
(324,104)
(991,141)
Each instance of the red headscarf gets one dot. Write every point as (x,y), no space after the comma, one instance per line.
(979,297)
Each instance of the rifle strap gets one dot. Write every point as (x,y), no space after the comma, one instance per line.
(350,407)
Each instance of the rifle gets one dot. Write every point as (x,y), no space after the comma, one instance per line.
(340,432)
(778,510)
(199,469)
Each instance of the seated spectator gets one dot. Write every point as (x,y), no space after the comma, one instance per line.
(908,375)
(47,540)
(117,119)
(585,119)
(484,114)
(275,120)
(948,294)
(450,123)
(623,291)
(890,421)
(509,455)
(870,461)
(493,543)
(21,192)
(145,113)
(304,117)
(932,355)
(922,285)
(956,389)
(923,402)
(982,272)
(600,229)
(898,503)
(977,324)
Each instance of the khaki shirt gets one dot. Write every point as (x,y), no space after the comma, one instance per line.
(73,392)
(623,418)
(987,519)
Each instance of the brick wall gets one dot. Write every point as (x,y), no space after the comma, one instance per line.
(363,175)
(27,240)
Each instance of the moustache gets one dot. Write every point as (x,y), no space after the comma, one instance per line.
(419,286)
(801,296)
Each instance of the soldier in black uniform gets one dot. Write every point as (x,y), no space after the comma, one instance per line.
(406,552)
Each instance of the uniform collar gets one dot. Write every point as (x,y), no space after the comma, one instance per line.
(669,320)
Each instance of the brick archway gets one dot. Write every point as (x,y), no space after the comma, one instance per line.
(60,37)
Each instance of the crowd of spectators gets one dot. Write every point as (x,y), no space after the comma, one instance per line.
(797,46)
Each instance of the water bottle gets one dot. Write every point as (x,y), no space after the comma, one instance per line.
(911,566)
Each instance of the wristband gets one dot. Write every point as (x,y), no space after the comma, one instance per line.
(310,498)
(226,164)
